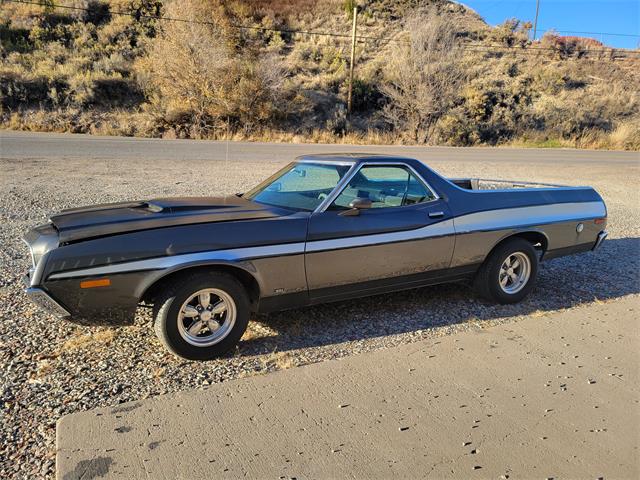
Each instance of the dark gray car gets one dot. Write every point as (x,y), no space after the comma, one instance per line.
(323,228)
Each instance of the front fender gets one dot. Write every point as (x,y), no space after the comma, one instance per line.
(154,277)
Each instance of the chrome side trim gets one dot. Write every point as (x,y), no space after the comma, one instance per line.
(439,229)
(351,173)
(328,162)
(537,215)
(602,236)
(43,300)
(175,260)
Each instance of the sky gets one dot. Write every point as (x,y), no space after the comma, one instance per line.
(607,16)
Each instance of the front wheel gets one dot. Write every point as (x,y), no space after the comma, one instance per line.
(509,272)
(203,316)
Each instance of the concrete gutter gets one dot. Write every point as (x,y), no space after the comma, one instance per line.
(554,396)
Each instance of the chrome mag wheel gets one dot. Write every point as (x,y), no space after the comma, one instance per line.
(207,317)
(514,272)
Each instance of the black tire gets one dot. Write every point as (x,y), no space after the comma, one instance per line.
(487,280)
(169,302)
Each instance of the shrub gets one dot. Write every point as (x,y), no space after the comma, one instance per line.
(626,136)
(195,68)
(568,46)
(422,80)
(16,91)
(348,6)
(511,33)
(97,12)
(366,95)
(14,39)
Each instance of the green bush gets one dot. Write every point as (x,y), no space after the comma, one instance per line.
(366,96)
(14,39)
(16,91)
(348,6)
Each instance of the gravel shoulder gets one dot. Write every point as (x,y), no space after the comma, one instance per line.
(50,368)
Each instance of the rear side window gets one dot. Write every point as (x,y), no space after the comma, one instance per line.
(386,186)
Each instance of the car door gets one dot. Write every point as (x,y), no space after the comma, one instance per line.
(406,237)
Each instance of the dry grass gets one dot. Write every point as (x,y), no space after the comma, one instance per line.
(278,361)
(64,72)
(257,331)
(98,339)
(44,368)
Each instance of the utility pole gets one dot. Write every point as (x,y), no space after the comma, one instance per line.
(535,22)
(353,56)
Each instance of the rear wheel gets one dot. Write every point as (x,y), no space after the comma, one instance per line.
(509,272)
(203,316)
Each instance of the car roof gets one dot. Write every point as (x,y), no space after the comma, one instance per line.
(352,158)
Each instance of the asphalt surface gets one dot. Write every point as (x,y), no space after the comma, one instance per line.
(548,397)
(21,145)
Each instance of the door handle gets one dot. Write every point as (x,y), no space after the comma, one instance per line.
(436,214)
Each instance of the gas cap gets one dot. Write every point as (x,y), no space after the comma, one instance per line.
(580,227)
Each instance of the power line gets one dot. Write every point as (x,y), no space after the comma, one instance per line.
(554,49)
(529,53)
(361,38)
(138,15)
(594,33)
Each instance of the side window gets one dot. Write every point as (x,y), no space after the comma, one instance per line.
(385,186)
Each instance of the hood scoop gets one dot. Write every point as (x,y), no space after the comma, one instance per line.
(151,207)
(190,204)
(178,206)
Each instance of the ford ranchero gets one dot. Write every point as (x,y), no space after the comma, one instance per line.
(324,228)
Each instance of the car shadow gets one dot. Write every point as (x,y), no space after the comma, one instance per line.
(609,273)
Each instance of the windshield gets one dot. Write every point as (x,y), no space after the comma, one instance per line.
(300,186)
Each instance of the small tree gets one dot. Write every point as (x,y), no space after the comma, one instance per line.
(422,78)
(196,70)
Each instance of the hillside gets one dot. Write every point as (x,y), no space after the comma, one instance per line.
(427,72)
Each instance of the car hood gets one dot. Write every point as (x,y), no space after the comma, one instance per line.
(112,218)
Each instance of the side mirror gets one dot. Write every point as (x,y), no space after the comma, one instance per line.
(355,206)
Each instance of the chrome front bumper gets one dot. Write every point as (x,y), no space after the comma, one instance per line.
(601,237)
(43,300)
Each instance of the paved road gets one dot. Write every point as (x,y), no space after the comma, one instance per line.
(548,397)
(26,145)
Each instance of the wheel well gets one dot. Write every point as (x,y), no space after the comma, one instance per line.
(537,239)
(244,277)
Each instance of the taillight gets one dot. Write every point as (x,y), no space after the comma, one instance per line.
(599,221)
